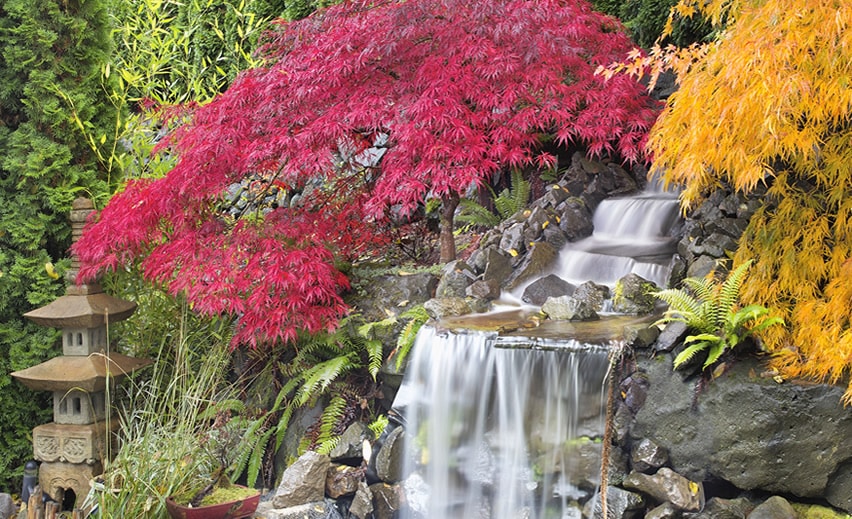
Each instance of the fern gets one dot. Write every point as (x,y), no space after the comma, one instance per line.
(710,310)
(418,316)
(507,203)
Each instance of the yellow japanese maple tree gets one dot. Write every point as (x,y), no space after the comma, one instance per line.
(770,102)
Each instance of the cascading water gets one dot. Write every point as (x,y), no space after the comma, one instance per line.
(631,234)
(490,426)
(500,428)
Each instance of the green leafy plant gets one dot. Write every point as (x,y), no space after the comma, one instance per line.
(508,202)
(167,423)
(710,309)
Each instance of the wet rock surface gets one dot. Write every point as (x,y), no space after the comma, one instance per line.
(791,438)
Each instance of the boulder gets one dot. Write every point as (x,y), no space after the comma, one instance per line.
(386,500)
(671,336)
(575,219)
(498,267)
(457,276)
(349,448)
(664,511)
(593,294)
(776,507)
(566,308)
(395,293)
(667,486)
(7,506)
(438,308)
(342,480)
(634,295)
(756,434)
(534,265)
(362,503)
(487,290)
(303,481)
(549,286)
(389,456)
(647,455)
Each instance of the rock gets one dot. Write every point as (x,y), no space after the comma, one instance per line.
(390,455)
(592,294)
(776,507)
(664,511)
(566,308)
(633,295)
(839,492)
(634,389)
(756,434)
(7,506)
(535,263)
(554,236)
(487,290)
(556,194)
(342,480)
(702,266)
(386,500)
(395,293)
(318,510)
(672,335)
(619,503)
(303,481)
(349,448)
(667,486)
(549,286)
(513,239)
(575,219)
(640,335)
(362,503)
(439,308)
(718,508)
(498,267)
(647,455)
(457,276)
(416,495)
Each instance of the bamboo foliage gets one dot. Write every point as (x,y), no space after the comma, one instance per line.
(770,103)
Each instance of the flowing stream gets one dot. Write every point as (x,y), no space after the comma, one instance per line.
(504,427)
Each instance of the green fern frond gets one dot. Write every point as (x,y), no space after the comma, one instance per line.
(375,357)
(713,354)
(701,288)
(475,214)
(729,294)
(688,353)
(318,377)
(512,200)
(333,414)
(378,425)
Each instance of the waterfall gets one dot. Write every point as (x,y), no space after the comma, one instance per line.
(631,234)
(512,430)
(494,431)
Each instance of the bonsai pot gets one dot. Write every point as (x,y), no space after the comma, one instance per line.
(237,509)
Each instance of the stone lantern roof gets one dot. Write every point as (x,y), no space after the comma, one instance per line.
(88,373)
(82,311)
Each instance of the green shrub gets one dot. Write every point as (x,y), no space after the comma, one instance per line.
(51,54)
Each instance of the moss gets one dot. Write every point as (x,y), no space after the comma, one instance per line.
(227,494)
(804,511)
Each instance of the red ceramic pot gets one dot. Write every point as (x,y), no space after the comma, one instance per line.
(230,510)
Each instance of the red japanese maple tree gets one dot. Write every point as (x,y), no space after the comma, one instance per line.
(364,109)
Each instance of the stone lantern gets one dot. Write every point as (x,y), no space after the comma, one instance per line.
(72,448)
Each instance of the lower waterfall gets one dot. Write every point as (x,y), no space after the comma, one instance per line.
(497,430)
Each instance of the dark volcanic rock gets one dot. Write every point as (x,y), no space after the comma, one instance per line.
(752,432)
(549,286)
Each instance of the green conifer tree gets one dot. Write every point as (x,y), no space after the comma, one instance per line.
(51,53)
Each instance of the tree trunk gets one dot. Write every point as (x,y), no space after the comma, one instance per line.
(449,203)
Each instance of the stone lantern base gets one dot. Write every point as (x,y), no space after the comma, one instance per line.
(57,479)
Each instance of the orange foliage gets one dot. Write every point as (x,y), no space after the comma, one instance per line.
(770,102)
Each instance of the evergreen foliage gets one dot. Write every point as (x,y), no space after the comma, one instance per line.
(769,103)
(508,202)
(646,19)
(51,55)
(361,112)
